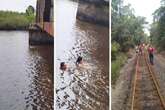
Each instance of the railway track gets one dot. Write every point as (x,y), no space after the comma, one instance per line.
(146,91)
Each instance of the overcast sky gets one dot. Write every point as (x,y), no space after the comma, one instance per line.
(16,5)
(144,8)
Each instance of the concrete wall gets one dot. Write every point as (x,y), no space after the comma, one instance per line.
(37,37)
(44,10)
(94,11)
(40,10)
(52,11)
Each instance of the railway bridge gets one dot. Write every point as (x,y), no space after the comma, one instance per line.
(42,31)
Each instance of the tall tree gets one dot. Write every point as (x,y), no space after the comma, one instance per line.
(30,13)
(30,10)
(127,29)
(157,30)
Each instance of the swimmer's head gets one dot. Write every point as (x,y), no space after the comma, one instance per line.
(63,66)
(79,60)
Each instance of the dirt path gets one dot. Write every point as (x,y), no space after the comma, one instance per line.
(120,91)
(159,68)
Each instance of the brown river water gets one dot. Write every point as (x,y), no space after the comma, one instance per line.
(81,88)
(26,73)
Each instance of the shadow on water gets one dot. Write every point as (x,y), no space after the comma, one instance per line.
(81,88)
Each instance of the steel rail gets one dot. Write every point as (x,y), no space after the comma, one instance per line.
(153,78)
(155,82)
(134,83)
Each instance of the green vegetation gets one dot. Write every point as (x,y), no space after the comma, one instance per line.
(116,66)
(157,31)
(30,14)
(15,21)
(127,31)
(114,50)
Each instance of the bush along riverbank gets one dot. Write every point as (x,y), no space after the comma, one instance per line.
(10,20)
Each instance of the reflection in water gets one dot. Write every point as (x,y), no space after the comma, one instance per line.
(81,88)
(25,73)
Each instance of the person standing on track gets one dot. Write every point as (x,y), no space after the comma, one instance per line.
(136,50)
(151,54)
(140,49)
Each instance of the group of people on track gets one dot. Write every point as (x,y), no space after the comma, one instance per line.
(142,47)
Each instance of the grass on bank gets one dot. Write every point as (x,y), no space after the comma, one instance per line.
(116,66)
(13,20)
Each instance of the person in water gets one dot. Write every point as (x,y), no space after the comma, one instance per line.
(63,66)
(79,61)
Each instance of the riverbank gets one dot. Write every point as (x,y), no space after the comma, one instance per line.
(14,29)
(10,20)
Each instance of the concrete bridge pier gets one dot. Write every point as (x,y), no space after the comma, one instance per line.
(94,11)
(42,31)
(37,37)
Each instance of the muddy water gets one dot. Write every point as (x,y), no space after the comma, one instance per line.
(84,87)
(25,73)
